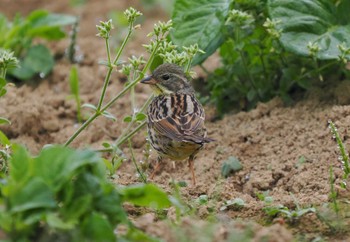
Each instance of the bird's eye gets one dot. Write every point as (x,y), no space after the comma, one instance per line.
(165,77)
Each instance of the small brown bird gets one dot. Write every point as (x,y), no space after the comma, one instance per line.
(175,117)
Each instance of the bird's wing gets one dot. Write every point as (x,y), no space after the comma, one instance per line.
(179,117)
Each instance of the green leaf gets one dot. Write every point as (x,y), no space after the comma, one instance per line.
(34,194)
(39,59)
(234,204)
(2,82)
(63,164)
(4,121)
(140,116)
(89,105)
(19,164)
(231,165)
(79,206)
(147,195)
(54,221)
(315,22)
(3,139)
(97,228)
(109,115)
(137,235)
(22,72)
(2,92)
(127,119)
(74,80)
(48,25)
(199,22)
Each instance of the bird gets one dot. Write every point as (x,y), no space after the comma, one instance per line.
(175,121)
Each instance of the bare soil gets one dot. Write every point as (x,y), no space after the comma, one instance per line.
(285,150)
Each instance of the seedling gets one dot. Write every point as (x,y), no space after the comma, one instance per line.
(344,157)
(18,36)
(230,166)
(235,204)
(292,216)
(74,88)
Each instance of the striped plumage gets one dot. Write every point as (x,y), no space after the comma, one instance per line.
(175,117)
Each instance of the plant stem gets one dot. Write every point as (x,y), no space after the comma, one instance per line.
(111,65)
(77,99)
(333,193)
(144,179)
(250,78)
(127,130)
(133,83)
(82,127)
(125,138)
(99,112)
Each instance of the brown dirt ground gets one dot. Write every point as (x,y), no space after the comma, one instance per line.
(269,141)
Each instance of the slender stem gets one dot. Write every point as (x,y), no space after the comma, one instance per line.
(108,51)
(188,66)
(125,137)
(318,70)
(127,130)
(126,39)
(261,56)
(77,98)
(82,127)
(111,65)
(107,78)
(135,164)
(250,78)
(131,134)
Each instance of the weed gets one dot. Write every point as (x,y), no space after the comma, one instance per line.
(74,89)
(266,47)
(344,157)
(230,166)
(18,36)
(292,216)
(72,48)
(235,204)
(7,62)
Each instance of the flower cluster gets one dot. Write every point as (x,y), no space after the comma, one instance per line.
(104,29)
(271,28)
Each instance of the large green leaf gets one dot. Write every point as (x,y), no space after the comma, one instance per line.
(34,194)
(48,25)
(199,22)
(37,60)
(318,22)
(19,164)
(146,195)
(97,228)
(56,165)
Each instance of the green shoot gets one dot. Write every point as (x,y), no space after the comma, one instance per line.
(333,193)
(344,157)
(71,50)
(74,88)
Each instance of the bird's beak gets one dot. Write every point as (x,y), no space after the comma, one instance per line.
(148,80)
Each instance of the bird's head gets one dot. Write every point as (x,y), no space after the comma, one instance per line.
(168,79)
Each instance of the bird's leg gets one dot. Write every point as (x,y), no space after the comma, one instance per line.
(190,165)
(156,167)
